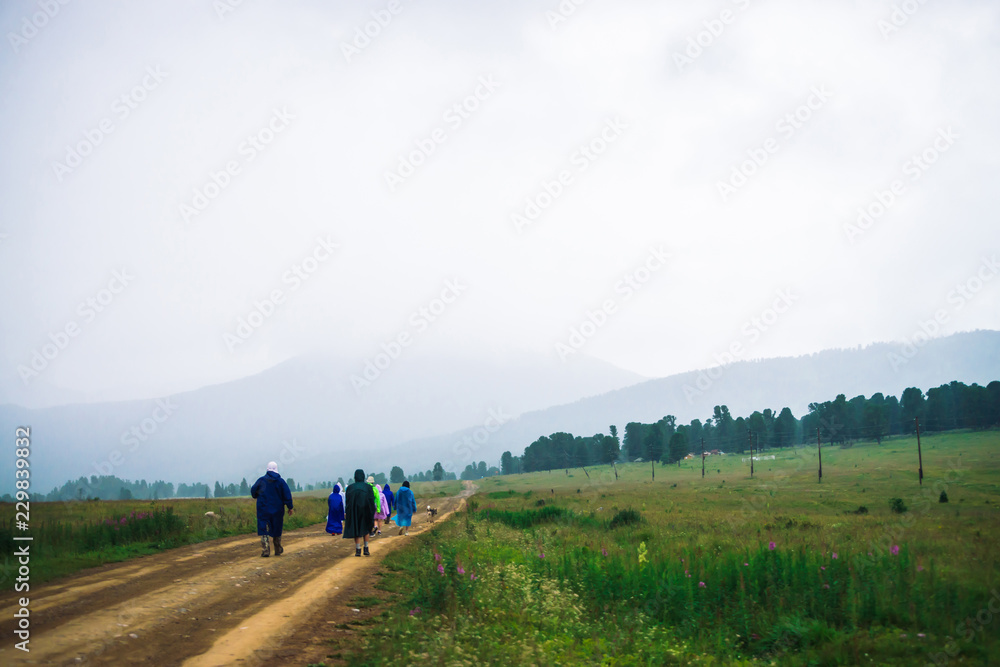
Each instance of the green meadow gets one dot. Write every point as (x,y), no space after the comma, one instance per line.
(578,567)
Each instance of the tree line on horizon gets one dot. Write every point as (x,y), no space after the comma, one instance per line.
(840,421)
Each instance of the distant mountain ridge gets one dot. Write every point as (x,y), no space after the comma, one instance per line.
(301,411)
(744,387)
(305,414)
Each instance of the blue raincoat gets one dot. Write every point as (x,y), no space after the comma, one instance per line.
(335,518)
(406,505)
(391,499)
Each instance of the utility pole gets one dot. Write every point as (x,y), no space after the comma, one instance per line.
(703,458)
(819,450)
(750,441)
(920,456)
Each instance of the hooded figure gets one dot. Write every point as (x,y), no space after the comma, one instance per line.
(273,495)
(359,512)
(391,498)
(335,518)
(406,505)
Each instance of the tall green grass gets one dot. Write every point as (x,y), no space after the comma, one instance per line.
(689,562)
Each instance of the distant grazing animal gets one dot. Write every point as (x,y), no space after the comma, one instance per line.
(211,515)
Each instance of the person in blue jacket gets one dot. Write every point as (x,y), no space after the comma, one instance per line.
(335,518)
(273,495)
(387,492)
(406,505)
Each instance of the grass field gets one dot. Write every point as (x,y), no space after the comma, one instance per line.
(563,567)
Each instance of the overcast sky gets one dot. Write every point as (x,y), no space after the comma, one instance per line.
(117,118)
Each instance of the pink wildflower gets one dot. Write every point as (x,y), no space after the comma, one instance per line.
(441,569)
(415,611)
(834,555)
(473,577)
(826,585)
(920,568)
(746,564)
(604,552)
(771,546)
(894,549)
(437,557)
(461,570)
(822,567)
(921,635)
(701,584)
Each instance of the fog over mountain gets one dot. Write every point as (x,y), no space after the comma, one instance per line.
(316,231)
(744,387)
(306,414)
(300,412)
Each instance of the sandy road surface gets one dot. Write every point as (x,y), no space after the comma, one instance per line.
(214,603)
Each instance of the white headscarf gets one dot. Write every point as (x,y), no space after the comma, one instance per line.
(272,467)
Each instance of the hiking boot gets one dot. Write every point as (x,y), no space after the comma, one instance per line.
(366,551)
(278,549)
(265,548)
(357,551)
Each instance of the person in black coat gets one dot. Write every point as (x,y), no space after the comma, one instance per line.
(273,495)
(359,515)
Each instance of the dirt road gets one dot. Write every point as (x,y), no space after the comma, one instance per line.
(214,603)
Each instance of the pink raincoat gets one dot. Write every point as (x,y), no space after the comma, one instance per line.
(384,512)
